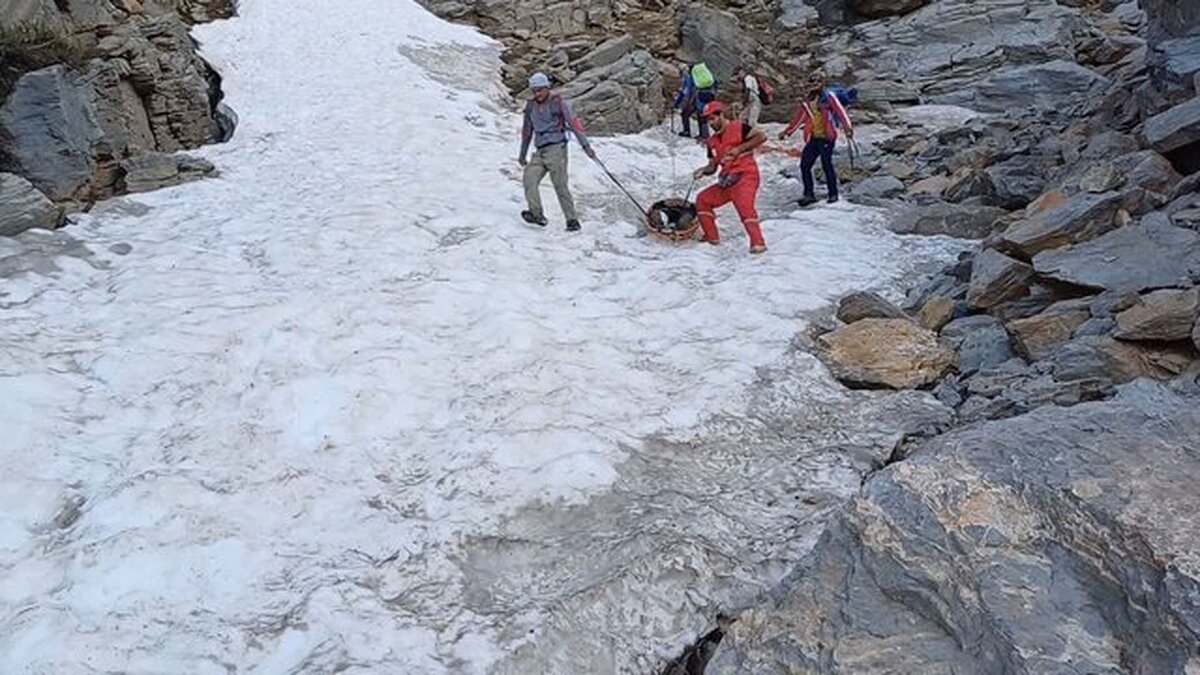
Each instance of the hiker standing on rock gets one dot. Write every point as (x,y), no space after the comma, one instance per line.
(548,118)
(731,149)
(821,115)
(699,88)
(752,98)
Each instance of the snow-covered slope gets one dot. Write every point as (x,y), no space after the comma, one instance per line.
(306,423)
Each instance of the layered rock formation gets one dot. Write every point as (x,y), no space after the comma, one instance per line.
(127,84)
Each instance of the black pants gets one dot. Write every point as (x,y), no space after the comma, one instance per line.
(695,107)
(818,147)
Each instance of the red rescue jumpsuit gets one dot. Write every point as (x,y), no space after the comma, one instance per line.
(742,193)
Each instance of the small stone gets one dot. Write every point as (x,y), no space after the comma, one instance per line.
(121,248)
(936,313)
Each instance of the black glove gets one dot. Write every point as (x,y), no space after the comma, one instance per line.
(729,180)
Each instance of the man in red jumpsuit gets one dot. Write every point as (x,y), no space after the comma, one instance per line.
(730,149)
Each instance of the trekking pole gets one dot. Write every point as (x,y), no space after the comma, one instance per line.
(622,188)
(691,186)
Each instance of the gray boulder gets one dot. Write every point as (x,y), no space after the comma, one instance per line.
(1058,85)
(22,207)
(1164,315)
(1144,256)
(715,37)
(866,305)
(623,96)
(1056,542)
(996,278)
(154,171)
(1102,357)
(49,130)
(878,187)
(1080,218)
(965,221)
(1175,128)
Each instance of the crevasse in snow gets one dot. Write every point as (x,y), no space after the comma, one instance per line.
(339,410)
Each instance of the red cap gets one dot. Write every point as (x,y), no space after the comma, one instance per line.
(713,109)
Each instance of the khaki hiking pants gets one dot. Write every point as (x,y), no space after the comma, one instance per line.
(549,159)
(752,111)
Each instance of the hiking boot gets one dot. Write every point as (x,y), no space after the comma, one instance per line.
(755,250)
(706,240)
(833,199)
(573,225)
(533,219)
(685,134)
(807,200)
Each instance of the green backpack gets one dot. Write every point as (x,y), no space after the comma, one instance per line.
(702,77)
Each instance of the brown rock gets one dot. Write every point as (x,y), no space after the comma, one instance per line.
(1038,336)
(995,278)
(1081,218)
(932,186)
(892,353)
(1048,201)
(1165,315)
(936,313)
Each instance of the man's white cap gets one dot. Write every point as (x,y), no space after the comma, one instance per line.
(539,81)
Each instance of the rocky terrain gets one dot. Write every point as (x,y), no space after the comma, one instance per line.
(97,98)
(1050,533)
(1050,529)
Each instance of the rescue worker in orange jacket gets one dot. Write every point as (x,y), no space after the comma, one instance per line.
(730,150)
(821,116)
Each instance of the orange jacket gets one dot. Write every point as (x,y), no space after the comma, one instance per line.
(831,110)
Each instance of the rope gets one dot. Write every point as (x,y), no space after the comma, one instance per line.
(621,187)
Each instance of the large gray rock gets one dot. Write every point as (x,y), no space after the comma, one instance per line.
(1058,85)
(18,12)
(866,305)
(1080,218)
(965,221)
(1102,357)
(154,171)
(1062,541)
(622,97)
(945,49)
(715,37)
(996,278)
(22,207)
(1175,128)
(1164,315)
(49,130)
(1144,256)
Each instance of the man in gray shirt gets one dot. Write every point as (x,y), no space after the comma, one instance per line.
(548,119)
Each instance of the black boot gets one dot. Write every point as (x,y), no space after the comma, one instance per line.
(573,225)
(533,219)
(807,200)
(833,199)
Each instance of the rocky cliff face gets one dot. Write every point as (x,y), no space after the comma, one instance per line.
(97,117)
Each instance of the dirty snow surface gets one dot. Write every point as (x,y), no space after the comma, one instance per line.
(339,410)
